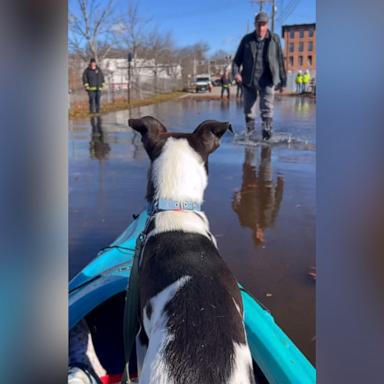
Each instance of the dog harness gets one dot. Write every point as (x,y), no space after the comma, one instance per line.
(132,303)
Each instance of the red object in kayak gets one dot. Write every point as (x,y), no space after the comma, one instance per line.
(111,379)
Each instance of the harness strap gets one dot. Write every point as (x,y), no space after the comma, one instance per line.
(131,324)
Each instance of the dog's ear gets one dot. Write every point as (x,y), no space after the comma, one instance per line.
(150,130)
(147,125)
(208,135)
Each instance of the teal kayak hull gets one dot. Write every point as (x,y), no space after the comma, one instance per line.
(107,275)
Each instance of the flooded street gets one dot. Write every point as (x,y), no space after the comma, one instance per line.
(260,199)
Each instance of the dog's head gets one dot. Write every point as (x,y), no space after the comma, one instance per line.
(179,161)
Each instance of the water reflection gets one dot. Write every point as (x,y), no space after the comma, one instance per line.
(239,102)
(258,201)
(98,147)
(224,104)
(302,105)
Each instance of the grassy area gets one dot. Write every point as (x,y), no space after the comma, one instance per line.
(81,110)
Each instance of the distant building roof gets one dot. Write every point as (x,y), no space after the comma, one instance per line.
(295,26)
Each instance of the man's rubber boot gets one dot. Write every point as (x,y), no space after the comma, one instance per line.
(267,128)
(250,128)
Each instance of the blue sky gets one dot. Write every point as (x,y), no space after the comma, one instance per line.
(220,23)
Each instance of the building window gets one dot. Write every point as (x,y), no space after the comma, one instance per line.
(301,47)
(301,61)
(310,33)
(291,61)
(310,46)
(292,34)
(301,33)
(291,47)
(309,60)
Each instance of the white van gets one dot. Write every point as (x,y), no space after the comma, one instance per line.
(203,83)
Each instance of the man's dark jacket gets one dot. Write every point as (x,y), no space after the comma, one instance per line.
(245,57)
(93,79)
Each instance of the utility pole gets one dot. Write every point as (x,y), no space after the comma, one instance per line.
(260,2)
(129,77)
(261,7)
(273,14)
(155,77)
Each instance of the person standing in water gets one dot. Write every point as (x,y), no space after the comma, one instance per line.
(259,65)
(299,82)
(93,81)
(225,84)
(306,80)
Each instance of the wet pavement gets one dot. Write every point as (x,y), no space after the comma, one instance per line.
(260,199)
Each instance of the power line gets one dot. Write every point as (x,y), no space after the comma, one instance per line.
(289,9)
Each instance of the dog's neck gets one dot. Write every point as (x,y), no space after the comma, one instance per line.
(178,174)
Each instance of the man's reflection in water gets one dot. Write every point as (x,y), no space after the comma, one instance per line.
(98,148)
(257,203)
(224,104)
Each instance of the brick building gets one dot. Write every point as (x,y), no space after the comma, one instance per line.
(299,47)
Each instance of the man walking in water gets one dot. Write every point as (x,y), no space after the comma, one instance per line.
(93,81)
(261,58)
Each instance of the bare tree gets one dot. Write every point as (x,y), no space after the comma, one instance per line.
(219,61)
(159,47)
(193,60)
(92,26)
(133,31)
(220,55)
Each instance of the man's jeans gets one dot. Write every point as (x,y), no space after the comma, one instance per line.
(266,98)
(94,101)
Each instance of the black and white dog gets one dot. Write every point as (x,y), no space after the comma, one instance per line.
(191,307)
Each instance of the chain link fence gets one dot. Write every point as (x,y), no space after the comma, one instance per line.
(142,87)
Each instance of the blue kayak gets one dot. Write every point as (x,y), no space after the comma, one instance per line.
(99,291)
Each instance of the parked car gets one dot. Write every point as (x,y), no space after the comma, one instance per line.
(203,83)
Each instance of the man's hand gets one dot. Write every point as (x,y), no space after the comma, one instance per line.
(238,78)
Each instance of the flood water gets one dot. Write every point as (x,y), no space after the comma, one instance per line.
(260,199)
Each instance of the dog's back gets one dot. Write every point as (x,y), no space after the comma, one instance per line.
(194,306)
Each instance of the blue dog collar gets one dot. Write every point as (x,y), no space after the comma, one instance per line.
(173,205)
